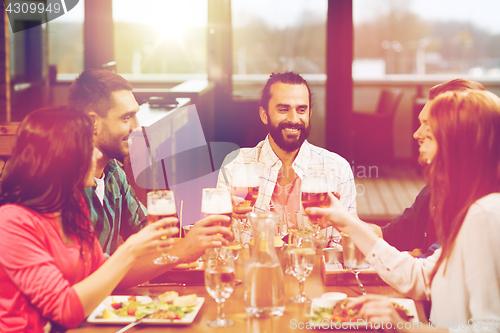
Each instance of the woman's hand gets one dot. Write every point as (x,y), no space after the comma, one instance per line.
(154,239)
(336,215)
(378,309)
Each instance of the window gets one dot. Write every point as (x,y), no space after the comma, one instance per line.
(160,37)
(271,36)
(66,41)
(457,37)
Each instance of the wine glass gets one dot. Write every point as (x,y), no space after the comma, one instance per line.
(161,204)
(354,259)
(245,188)
(294,222)
(219,281)
(303,255)
(314,190)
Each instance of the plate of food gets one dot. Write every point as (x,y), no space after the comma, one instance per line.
(341,317)
(166,309)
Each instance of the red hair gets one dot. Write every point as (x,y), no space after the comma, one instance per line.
(466,167)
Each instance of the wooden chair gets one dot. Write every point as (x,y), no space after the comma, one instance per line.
(7,135)
(373,132)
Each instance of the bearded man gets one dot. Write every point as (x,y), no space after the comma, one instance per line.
(285,155)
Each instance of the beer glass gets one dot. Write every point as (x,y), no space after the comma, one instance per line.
(245,189)
(245,184)
(161,204)
(333,181)
(314,191)
(217,201)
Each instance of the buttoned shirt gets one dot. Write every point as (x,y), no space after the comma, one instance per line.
(309,156)
(121,214)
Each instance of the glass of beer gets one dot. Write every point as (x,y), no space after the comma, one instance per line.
(315,194)
(161,204)
(314,191)
(217,201)
(245,190)
(245,184)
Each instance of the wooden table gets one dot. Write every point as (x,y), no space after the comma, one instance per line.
(234,306)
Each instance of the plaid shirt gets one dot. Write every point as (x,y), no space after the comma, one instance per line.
(121,214)
(309,156)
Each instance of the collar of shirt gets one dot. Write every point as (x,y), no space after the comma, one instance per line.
(273,164)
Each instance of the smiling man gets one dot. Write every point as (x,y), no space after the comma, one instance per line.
(285,155)
(108,100)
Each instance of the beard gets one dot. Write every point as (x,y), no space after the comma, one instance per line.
(112,147)
(289,145)
(113,151)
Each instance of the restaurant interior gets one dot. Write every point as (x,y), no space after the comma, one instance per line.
(366,100)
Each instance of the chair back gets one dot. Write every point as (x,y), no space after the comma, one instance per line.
(7,136)
(388,101)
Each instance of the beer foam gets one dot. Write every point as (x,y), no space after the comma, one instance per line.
(161,207)
(216,206)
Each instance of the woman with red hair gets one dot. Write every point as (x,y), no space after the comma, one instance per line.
(462,279)
(52,268)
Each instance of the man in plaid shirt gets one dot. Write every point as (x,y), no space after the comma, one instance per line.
(285,155)
(114,208)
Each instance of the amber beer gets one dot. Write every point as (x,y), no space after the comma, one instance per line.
(249,194)
(217,201)
(216,211)
(160,207)
(156,218)
(314,200)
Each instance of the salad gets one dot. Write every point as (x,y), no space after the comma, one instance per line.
(157,310)
(340,314)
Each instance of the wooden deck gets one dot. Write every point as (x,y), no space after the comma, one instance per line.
(383,192)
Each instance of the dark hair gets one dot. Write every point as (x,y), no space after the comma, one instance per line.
(92,90)
(46,172)
(454,85)
(466,167)
(287,77)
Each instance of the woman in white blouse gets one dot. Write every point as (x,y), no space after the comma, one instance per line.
(462,278)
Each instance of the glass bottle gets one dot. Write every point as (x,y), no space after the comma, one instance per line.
(264,279)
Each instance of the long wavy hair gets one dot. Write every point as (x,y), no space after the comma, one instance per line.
(50,161)
(466,167)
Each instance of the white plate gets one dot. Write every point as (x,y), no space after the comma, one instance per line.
(96,315)
(406,303)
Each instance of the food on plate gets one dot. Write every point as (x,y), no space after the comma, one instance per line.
(337,314)
(168,296)
(340,314)
(187,265)
(402,312)
(188,300)
(163,309)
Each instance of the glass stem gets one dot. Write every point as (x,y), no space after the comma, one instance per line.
(301,288)
(220,310)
